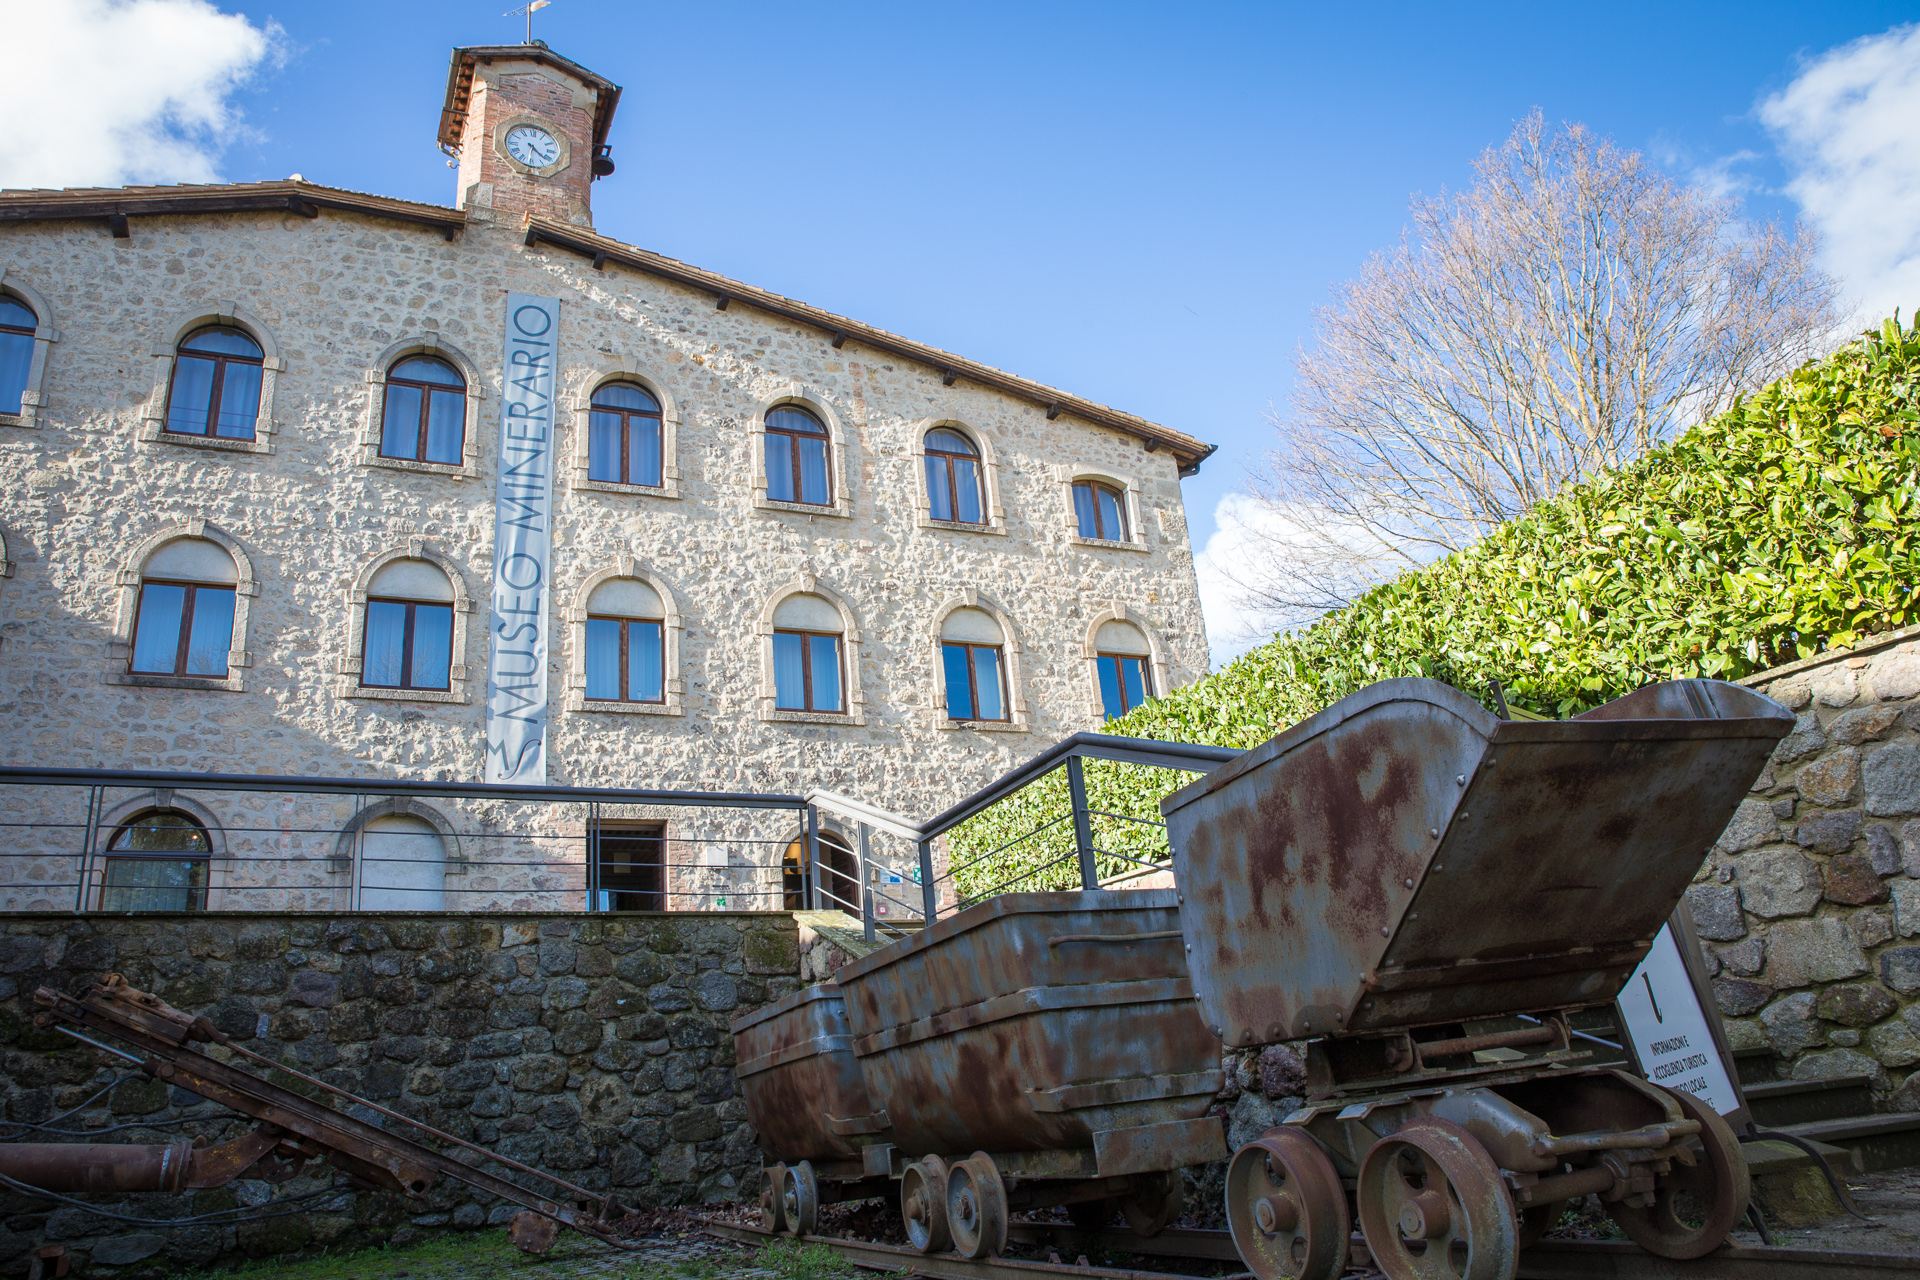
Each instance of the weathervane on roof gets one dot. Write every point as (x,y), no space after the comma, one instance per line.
(527,10)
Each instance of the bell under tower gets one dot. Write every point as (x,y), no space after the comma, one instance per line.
(528,130)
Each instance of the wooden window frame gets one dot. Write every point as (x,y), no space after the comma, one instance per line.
(185,642)
(406,644)
(1146,679)
(806,672)
(793,438)
(973,690)
(1100,534)
(657,416)
(426,390)
(661,623)
(220,362)
(946,457)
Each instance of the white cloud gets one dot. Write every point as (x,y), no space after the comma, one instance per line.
(110,92)
(1240,521)
(1847,130)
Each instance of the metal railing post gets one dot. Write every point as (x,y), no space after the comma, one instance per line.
(89,834)
(929,896)
(1082,827)
(866,883)
(593,856)
(813,858)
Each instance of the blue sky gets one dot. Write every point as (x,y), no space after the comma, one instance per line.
(1139,204)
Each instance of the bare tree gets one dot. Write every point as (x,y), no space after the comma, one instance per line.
(1571,308)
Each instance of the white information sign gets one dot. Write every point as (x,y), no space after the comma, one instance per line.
(518,630)
(1670,1032)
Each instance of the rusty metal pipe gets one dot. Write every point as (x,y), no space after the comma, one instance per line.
(1594,1180)
(1653,1135)
(1492,1040)
(97,1166)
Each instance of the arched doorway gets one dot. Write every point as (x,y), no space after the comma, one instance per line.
(157,861)
(403,865)
(839,876)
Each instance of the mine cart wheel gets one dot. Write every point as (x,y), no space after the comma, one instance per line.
(1695,1205)
(800,1198)
(1092,1215)
(1287,1209)
(1159,1199)
(773,1214)
(977,1207)
(1433,1206)
(1537,1220)
(923,1205)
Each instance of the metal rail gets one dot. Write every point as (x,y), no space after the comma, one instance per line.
(1546,1260)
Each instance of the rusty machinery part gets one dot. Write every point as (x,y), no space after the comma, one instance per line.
(800,1198)
(1433,1206)
(773,1209)
(1538,1219)
(268,1154)
(923,1204)
(1698,1199)
(1287,1209)
(301,1128)
(977,1207)
(532,1232)
(1158,1199)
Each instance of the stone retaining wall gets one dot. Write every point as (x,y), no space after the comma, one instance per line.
(1809,904)
(595,1047)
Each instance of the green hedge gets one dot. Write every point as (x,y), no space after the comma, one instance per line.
(1781,528)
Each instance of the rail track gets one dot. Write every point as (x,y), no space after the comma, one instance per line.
(1547,1260)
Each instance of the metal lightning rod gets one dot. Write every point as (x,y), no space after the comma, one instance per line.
(527,10)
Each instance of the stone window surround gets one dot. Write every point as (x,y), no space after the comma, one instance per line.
(627,369)
(1129,488)
(838,441)
(989,479)
(425,344)
(576,616)
(163,799)
(1010,651)
(351,664)
(224,312)
(347,844)
(856,713)
(32,400)
(1119,611)
(245,588)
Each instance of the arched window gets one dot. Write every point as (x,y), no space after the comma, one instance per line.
(408,638)
(216,384)
(17,327)
(403,865)
(623,436)
(156,861)
(626,643)
(425,419)
(975,667)
(1124,662)
(797,468)
(807,665)
(1101,511)
(183,624)
(953,478)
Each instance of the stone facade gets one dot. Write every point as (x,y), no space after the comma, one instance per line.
(1809,904)
(595,1049)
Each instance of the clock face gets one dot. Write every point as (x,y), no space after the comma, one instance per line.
(531,146)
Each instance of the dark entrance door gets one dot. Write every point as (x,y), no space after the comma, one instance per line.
(629,866)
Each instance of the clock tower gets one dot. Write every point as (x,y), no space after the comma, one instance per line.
(528,132)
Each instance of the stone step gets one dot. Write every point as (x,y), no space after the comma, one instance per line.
(1755,1064)
(1778,1103)
(1877,1142)
(1788,1183)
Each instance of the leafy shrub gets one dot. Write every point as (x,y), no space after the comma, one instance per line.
(1783,527)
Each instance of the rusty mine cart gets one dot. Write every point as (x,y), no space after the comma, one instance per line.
(1441,903)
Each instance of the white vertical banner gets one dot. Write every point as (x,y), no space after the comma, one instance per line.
(1669,1029)
(519,627)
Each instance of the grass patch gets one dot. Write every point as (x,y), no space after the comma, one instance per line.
(791,1260)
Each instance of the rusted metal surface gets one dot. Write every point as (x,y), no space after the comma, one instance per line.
(97,1166)
(1040,1022)
(1338,877)
(805,1095)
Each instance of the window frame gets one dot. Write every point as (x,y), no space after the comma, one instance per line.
(427,391)
(806,673)
(973,690)
(220,361)
(1097,487)
(658,416)
(30,385)
(624,697)
(946,458)
(1146,680)
(406,644)
(793,439)
(110,855)
(184,643)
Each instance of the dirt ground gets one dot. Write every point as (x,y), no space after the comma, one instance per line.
(1891,1201)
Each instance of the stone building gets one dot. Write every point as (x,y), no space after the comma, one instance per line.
(257,443)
